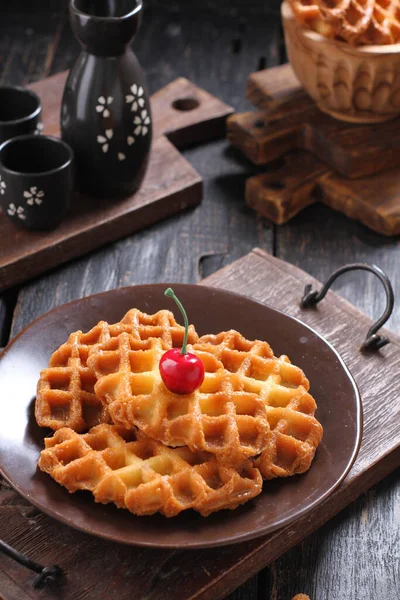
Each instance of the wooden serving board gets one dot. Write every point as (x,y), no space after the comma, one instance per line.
(349,167)
(171,183)
(98,569)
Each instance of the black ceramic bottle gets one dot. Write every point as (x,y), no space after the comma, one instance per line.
(105,114)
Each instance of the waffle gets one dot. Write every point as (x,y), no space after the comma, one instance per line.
(65,392)
(349,19)
(359,22)
(308,14)
(283,389)
(384,24)
(363,21)
(221,417)
(143,475)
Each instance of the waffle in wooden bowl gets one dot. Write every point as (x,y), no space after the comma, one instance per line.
(353,71)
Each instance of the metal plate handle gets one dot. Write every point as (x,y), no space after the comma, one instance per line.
(45,575)
(373,341)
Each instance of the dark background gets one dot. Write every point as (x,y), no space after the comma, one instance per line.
(217,44)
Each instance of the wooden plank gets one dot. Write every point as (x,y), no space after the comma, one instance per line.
(335,562)
(268,90)
(184,249)
(239,40)
(213,574)
(351,150)
(354,556)
(188,115)
(283,192)
(287,125)
(374,200)
(170,186)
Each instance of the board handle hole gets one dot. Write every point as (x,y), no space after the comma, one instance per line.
(259,124)
(275,185)
(185,104)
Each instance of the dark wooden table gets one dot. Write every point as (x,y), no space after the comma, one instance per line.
(217,44)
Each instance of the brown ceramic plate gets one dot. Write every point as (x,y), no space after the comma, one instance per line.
(211,310)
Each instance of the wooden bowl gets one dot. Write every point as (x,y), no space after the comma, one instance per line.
(355,84)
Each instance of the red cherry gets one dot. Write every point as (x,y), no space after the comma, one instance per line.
(181,373)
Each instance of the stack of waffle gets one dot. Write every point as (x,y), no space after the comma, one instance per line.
(123,436)
(358,22)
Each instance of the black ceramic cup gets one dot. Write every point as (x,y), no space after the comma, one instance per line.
(20,112)
(36,180)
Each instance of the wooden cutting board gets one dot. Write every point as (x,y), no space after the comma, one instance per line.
(349,167)
(98,569)
(182,113)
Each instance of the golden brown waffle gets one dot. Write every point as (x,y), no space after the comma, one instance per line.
(283,389)
(348,18)
(308,14)
(359,22)
(221,417)
(65,392)
(384,26)
(145,476)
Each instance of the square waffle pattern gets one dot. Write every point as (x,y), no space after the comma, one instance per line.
(283,389)
(143,475)
(65,393)
(222,417)
(363,21)
(308,14)
(359,22)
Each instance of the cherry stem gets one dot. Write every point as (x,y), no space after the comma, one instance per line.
(170,294)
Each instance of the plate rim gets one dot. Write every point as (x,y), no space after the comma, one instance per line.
(227,541)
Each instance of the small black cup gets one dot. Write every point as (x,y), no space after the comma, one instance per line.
(20,112)
(36,180)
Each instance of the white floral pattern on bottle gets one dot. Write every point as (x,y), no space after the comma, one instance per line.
(2,186)
(39,128)
(104,139)
(103,105)
(34,196)
(141,121)
(136,98)
(13,210)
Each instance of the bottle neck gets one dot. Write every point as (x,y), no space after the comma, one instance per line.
(101,52)
(104,36)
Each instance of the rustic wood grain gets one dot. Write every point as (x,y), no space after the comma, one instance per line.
(212,574)
(269,94)
(185,249)
(319,241)
(350,150)
(374,200)
(282,193)
(240,38)
(170,186)
(188,115)
(170,44)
